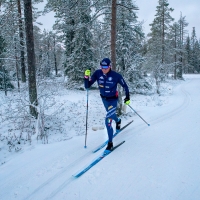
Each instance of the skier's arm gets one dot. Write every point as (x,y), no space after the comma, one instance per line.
(124,85)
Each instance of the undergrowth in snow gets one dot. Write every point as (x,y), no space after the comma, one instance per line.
(64,114)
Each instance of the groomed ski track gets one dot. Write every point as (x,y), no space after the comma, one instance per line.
(157,162)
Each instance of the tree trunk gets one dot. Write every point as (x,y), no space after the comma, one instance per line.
(163,35)
(30,57)
(175,67)
(4,80)
(21,36)
(55,60)
(17,67)
(181,47)
(113,34)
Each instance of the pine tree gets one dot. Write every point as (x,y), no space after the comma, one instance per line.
(81,57)
(194,52)
(9,31)
(174,38)
(74,24)
(5,83)
(158,43)
(21,37)
(182,24)
(30,57)
(100,43)
(196,57)
(129,43)
(188,67)
(160,30)
(129,36)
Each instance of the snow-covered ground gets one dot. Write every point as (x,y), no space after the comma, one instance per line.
(157,162)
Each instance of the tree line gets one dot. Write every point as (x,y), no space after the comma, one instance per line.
(82,35)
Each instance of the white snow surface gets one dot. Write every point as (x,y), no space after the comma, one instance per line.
(157,162)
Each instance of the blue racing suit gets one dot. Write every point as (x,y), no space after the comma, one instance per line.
(108,91)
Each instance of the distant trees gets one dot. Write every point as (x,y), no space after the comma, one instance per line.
(178,38)
(195,52)
(168,48)
(158,44)
(83,35)
(181,44)
(86,31)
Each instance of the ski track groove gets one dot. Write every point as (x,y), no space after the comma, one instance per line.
(184,104)
(180,108)
(139,128)
(60,188)
(56,176)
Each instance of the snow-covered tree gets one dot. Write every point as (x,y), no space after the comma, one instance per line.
(158,43)
(129,41)
(74,26)
(174,40)
(81,57)
(5,83)
(182,35)
(129,37)
(188,52)
(194,51)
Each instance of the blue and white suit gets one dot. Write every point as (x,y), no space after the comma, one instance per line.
(108,91)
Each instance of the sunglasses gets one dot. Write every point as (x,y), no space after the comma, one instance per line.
(105,67)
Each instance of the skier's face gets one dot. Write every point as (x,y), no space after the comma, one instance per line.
(105,70)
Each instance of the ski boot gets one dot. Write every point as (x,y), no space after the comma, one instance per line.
(108,148)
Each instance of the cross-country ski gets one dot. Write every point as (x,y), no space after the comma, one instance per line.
(116,133)
(98,159)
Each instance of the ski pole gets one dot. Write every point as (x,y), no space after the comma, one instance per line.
(139,115)
(86,114)
(86,119)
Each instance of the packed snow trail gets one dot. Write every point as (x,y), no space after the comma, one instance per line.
(157,162)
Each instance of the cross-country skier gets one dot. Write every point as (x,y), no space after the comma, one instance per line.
(107,82)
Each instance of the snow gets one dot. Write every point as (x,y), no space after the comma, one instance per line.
(160,161)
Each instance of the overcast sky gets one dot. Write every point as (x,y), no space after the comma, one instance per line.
(189,8)
(147,9)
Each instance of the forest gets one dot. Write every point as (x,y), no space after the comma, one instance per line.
(33,61)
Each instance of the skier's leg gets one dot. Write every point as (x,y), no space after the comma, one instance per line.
(111,110)
(108,122)
(111,106)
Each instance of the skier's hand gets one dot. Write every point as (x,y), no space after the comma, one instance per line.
(87,73)
(127,100)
